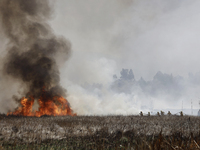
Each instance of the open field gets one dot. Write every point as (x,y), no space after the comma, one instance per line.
(100,132)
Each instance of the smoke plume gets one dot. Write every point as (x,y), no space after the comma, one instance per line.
(33,52)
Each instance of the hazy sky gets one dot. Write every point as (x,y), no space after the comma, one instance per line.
(147,36)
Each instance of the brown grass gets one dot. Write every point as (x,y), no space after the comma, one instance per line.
(102,132)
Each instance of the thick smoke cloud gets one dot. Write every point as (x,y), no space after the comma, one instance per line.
(145,36)
(33,53)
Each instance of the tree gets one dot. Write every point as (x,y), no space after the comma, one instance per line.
(130,75)
(127,74)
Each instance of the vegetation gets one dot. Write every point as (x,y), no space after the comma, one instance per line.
(100,132)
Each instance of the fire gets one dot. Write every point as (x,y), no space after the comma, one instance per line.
(55,106)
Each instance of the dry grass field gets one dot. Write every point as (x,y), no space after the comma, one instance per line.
(100,132)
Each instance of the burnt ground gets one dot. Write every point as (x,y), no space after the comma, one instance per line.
(100,132)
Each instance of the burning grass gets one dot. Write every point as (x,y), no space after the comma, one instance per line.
(100,132)
(48,105)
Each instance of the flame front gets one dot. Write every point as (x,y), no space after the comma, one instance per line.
(55,106)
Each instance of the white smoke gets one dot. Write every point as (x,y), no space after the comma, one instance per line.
(145,36)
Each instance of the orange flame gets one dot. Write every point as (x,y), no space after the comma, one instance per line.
(56,106)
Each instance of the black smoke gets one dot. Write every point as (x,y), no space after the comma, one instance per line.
(34,53)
